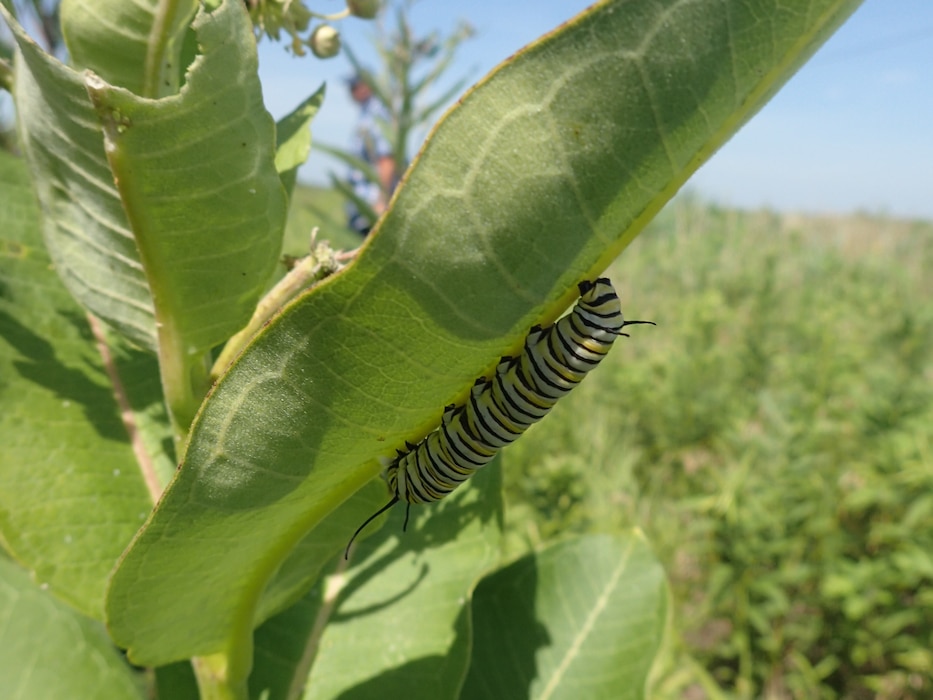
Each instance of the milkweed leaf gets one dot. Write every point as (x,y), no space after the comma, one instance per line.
(71,658)
(70,499)
(582,619)
(536,180)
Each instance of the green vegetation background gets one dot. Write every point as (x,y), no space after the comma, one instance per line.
(772,436)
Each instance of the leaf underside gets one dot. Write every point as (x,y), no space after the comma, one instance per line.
(581,619)
(536,180)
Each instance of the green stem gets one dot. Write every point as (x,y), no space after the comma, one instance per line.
(321,263)
(185,380)
(214,682)
(143,457)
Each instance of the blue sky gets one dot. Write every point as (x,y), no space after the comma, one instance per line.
(852,131)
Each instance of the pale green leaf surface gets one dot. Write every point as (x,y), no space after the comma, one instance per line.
(293,139)
(49,651)
(280,644)
(304,563)
(282,641)
(582,619)
(402,626)
(538,178)
(135,45)
(71,496)
(84,225)
(197,178)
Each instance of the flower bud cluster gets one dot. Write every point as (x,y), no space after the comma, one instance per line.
(272,17)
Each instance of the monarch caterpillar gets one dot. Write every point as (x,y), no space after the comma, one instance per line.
(499,409)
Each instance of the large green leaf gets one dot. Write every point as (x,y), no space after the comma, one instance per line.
(402,626)
(136,45)
(196,174)
(198,210)
(293,139)
(582,619)
(49,651)
(71,495)
(536,180)
(316,549)
(283,645)
(380,641)
(84,224)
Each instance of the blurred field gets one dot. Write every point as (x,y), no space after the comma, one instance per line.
(313,206)
(773,436)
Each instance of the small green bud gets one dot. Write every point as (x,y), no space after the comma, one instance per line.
(324,41)
(365,9)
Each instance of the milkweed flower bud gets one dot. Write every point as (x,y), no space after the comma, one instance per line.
(324,41)
(365,9)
